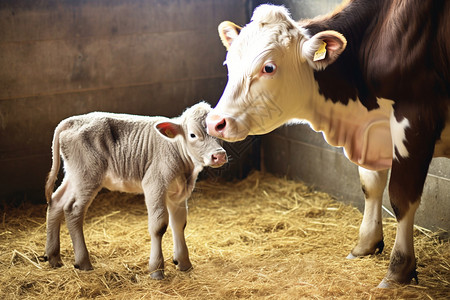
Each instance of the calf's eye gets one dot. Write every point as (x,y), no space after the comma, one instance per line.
(269,68)
(193,135)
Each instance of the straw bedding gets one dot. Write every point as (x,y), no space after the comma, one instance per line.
(263,237)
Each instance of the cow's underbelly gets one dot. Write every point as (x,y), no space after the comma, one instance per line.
(364,135)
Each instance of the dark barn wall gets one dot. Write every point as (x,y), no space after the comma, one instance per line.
(62,58)
(300,153)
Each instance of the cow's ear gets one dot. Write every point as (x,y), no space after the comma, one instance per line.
(323,48)
(228,31)
(169,129)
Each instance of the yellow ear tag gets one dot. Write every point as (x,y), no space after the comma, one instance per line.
(321,52)
(169,133)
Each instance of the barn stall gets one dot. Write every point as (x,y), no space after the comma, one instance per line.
(250,234)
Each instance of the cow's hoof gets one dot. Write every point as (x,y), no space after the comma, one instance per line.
(157,275)
(360,251)
(388,284)
(384,284)
(394,282)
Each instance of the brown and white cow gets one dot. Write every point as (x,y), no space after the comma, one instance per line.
(156,156)
(373,77)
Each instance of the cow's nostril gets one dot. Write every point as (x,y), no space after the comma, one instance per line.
(221,125)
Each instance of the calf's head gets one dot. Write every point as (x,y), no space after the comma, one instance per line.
(191,128)
(270,72)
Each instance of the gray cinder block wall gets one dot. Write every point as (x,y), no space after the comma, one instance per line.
(300,153)
(62,58)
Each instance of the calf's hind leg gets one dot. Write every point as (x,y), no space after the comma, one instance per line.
(55,214)
(370,241)
(75,210)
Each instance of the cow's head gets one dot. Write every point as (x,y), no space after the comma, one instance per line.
(270,72)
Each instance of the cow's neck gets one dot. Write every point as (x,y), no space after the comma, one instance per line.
(364,134)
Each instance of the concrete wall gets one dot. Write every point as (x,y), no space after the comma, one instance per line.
(300,153)
(62,58)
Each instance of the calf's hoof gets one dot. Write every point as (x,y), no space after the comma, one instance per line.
(186,266)
(54,261)
(157,274)
(57,264)
(84,266)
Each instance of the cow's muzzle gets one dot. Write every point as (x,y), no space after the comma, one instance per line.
(225,128)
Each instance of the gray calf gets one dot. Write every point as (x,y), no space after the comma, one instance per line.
(156,156)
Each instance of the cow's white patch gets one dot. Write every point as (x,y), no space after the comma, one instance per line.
(405,230)
(361,133)
(398,136)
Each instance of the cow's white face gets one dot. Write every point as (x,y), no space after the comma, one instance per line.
(270,73)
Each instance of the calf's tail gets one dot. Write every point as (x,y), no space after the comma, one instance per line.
(56,162)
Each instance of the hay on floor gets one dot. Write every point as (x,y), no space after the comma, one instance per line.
(263,237)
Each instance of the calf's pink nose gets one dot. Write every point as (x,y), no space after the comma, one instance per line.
(219,158)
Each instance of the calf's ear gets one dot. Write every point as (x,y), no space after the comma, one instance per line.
(228,31)
(323,48)
(169,129)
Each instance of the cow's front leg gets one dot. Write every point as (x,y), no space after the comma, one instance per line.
(371,241)
(158,220)
(402,266)
(177,219)
(414,137)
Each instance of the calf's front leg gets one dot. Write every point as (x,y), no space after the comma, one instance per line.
(177,219)
(158,220)
(370,240)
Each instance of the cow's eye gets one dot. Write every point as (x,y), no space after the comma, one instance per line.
(193,135)
(269,68)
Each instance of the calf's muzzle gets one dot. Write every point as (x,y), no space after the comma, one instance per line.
(219,158)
